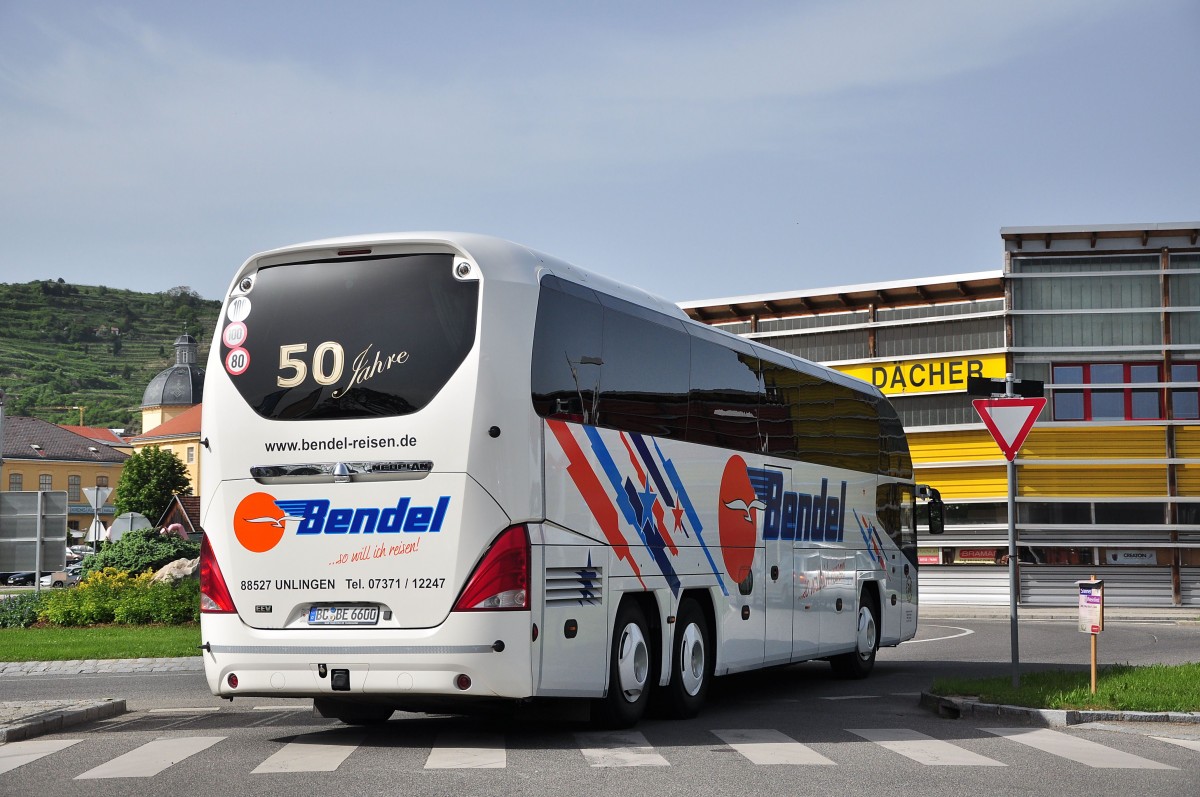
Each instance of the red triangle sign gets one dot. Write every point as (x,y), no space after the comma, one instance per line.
(1009,420)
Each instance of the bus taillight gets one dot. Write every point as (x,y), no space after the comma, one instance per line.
(501,581)
(214,595)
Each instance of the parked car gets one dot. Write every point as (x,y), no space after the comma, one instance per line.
(62,578)
(22,579)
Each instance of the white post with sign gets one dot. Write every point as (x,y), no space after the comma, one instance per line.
(1009,419)
(96,496)
(1091,615)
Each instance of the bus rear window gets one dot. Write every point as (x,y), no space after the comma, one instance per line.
(349,338)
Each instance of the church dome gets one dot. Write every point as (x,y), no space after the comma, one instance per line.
(180,385)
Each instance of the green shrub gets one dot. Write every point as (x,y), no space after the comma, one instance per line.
(21,610)
(139,550)
(160,602)
(111,595)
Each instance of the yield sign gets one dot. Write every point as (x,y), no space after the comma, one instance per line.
(1009,420)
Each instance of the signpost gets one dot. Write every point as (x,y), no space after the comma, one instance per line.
(96,496)
(1009,420)
(1091,615)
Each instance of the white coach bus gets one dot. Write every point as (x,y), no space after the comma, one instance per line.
(444,469)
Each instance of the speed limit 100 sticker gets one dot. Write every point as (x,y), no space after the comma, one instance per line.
(239,308)
(234,334)
(237,361)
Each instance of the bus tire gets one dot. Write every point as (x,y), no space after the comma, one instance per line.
(691,662)
(860,662)
(630,671)
(352,713)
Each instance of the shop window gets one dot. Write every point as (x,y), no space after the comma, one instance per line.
(1115,397)
(1185,403)
(1189,514)
(1055,513)
(1132,513)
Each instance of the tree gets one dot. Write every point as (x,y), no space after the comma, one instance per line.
(140,550)
(150,478)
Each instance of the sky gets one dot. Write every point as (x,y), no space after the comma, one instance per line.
(695,149)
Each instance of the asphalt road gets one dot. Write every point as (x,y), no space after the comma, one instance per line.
(794,730)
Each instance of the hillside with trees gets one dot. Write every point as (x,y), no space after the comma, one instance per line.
(65,346)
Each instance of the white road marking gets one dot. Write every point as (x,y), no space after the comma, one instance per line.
(310,753)
(1191,744)
(618,749)
(924,749)
(151,758)
(468,751)
(15,754)
(762,746)
(961,633)
(1076,749)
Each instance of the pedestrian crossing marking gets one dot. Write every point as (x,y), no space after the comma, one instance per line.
(618,749)
(1191,744)
(1076,749)
(326,751)
(766,747)
(16,754)
(924,749)
(468,751)
(151,758)
(310,752)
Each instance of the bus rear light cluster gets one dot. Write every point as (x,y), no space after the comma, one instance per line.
(501,580)
(232,680)
(214,594)
(463,682)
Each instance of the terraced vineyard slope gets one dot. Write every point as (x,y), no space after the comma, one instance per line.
(65,346)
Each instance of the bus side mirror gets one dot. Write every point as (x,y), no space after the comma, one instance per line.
(937,516)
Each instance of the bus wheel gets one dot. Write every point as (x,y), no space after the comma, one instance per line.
(629,671)
(691,662)
(352,713)
(860,663)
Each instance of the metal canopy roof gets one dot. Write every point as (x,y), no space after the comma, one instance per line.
(933,290)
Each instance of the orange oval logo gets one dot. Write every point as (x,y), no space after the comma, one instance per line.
(258,522)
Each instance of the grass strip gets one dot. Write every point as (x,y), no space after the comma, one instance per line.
(52,643)
(1119,687)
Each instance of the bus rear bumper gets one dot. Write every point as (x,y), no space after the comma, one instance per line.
(493,651)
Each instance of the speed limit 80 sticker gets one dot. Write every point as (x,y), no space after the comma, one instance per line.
(237,361)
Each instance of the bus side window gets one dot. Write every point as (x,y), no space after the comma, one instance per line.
(644,385)
(568,345)
(726,394)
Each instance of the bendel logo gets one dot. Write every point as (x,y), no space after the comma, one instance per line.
(737,518)
(259,521)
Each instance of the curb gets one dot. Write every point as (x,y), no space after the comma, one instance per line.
(960,707)
(55,716)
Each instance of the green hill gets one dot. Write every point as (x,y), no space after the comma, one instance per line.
(69,346)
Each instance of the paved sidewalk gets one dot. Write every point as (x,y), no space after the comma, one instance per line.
(27,719)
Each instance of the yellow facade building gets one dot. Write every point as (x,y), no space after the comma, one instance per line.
(1108,481)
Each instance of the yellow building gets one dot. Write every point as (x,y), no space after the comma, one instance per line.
(41,456)
(1108,482)
(171,410)
(181,436)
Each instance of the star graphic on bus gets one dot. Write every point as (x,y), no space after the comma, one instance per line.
(587,582)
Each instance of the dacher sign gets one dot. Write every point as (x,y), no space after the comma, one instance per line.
(926,375)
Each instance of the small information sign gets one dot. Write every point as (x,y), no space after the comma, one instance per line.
(1091,606)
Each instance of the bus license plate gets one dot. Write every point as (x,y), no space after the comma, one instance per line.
(343,615)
